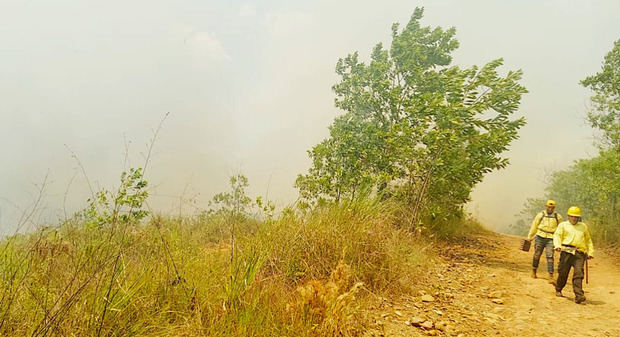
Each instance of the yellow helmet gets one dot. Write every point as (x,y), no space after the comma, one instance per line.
(550,203)
(574,211)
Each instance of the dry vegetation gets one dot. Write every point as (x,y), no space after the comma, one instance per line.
(300,274)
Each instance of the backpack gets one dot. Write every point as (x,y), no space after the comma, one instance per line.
(555,215)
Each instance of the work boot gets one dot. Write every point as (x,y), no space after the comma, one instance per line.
(558,294)
(533,273)
(580,299)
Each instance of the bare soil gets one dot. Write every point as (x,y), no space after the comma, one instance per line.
(482,287)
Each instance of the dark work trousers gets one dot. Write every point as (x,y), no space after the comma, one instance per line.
(568,260)
(541,244)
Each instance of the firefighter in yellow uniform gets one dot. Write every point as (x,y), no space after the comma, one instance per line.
(572,238)
(542,229)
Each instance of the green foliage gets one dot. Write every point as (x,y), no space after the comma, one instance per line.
(594,186)
(414,126)
(606,99)
(242,274)
(266,207)
(234,203)
(125,206)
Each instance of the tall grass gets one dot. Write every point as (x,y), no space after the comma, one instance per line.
(300,274)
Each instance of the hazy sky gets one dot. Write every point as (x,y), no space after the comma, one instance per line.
(248,88)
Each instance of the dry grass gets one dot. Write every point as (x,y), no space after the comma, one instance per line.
(330,307)
(301,274)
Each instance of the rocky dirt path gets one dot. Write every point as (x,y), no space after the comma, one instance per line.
(482,287)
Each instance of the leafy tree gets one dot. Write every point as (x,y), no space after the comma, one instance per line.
(414,126)
(606,99)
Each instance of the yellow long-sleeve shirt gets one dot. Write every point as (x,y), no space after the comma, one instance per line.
(576,235)
(544,225)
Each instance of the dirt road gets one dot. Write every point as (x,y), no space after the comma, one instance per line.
(482,287)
